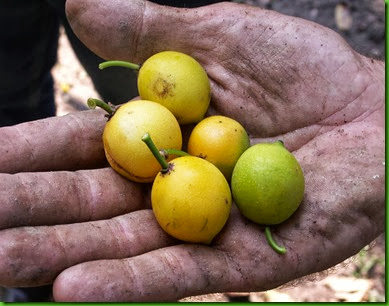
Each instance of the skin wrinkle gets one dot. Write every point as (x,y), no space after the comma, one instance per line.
(233,265)
(130,269)
(115,225)
(174,264)
(209,274)
(130,240)
(63,245)
(150,32)
(28,197)
(78,181)
(17,266)
(89,193)
(368,113)
(246,258)
(76,127)
(139,31)
(335,125)
(17,200)
(144,266)
(373,108)
(31,158)
(325,227)
(252,98)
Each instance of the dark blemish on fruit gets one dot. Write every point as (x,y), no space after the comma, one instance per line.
(202,156)
(226,201)
(204,225)
(163,88)
(120,167)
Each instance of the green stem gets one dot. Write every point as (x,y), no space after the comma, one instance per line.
(125,64)
(167,152)
(281,142)
(149,142)
(92,103)
(273,244)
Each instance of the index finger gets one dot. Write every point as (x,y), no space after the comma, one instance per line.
(59,143)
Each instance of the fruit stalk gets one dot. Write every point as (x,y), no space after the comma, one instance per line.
(125,64)
(92,103)
(149,142)
(167,152)
(272,243)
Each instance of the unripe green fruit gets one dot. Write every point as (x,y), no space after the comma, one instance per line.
(267,183)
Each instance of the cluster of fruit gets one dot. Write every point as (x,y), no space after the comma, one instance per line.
(192,192)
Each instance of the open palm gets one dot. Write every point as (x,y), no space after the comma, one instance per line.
(282,78)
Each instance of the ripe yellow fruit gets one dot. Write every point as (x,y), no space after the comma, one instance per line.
(122,138)
(220,140)
(267,183)
(178,82)
(192,201)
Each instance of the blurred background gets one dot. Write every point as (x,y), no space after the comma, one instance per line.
(362,24)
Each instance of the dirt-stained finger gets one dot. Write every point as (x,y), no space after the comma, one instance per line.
(34,256)
(59,143)
(135,30)
(48,198)
(164,275)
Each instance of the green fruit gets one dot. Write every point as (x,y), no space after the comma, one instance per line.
(267,183)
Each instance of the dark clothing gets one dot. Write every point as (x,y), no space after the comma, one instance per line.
(28,51)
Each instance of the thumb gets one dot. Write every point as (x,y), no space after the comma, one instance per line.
(134,30)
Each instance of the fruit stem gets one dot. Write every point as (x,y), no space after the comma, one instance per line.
(166,152)
(125,64)
(281,142)
(272,243)
(92,103)
(149,142)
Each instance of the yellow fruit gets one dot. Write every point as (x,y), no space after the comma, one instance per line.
(267,183)
(122,138)
(192,201)
(220,140)
(178,82)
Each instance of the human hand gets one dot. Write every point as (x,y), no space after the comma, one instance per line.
(325,102)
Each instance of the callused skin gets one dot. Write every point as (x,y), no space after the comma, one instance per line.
(282,78)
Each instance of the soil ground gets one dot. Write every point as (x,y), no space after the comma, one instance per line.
(362,24)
